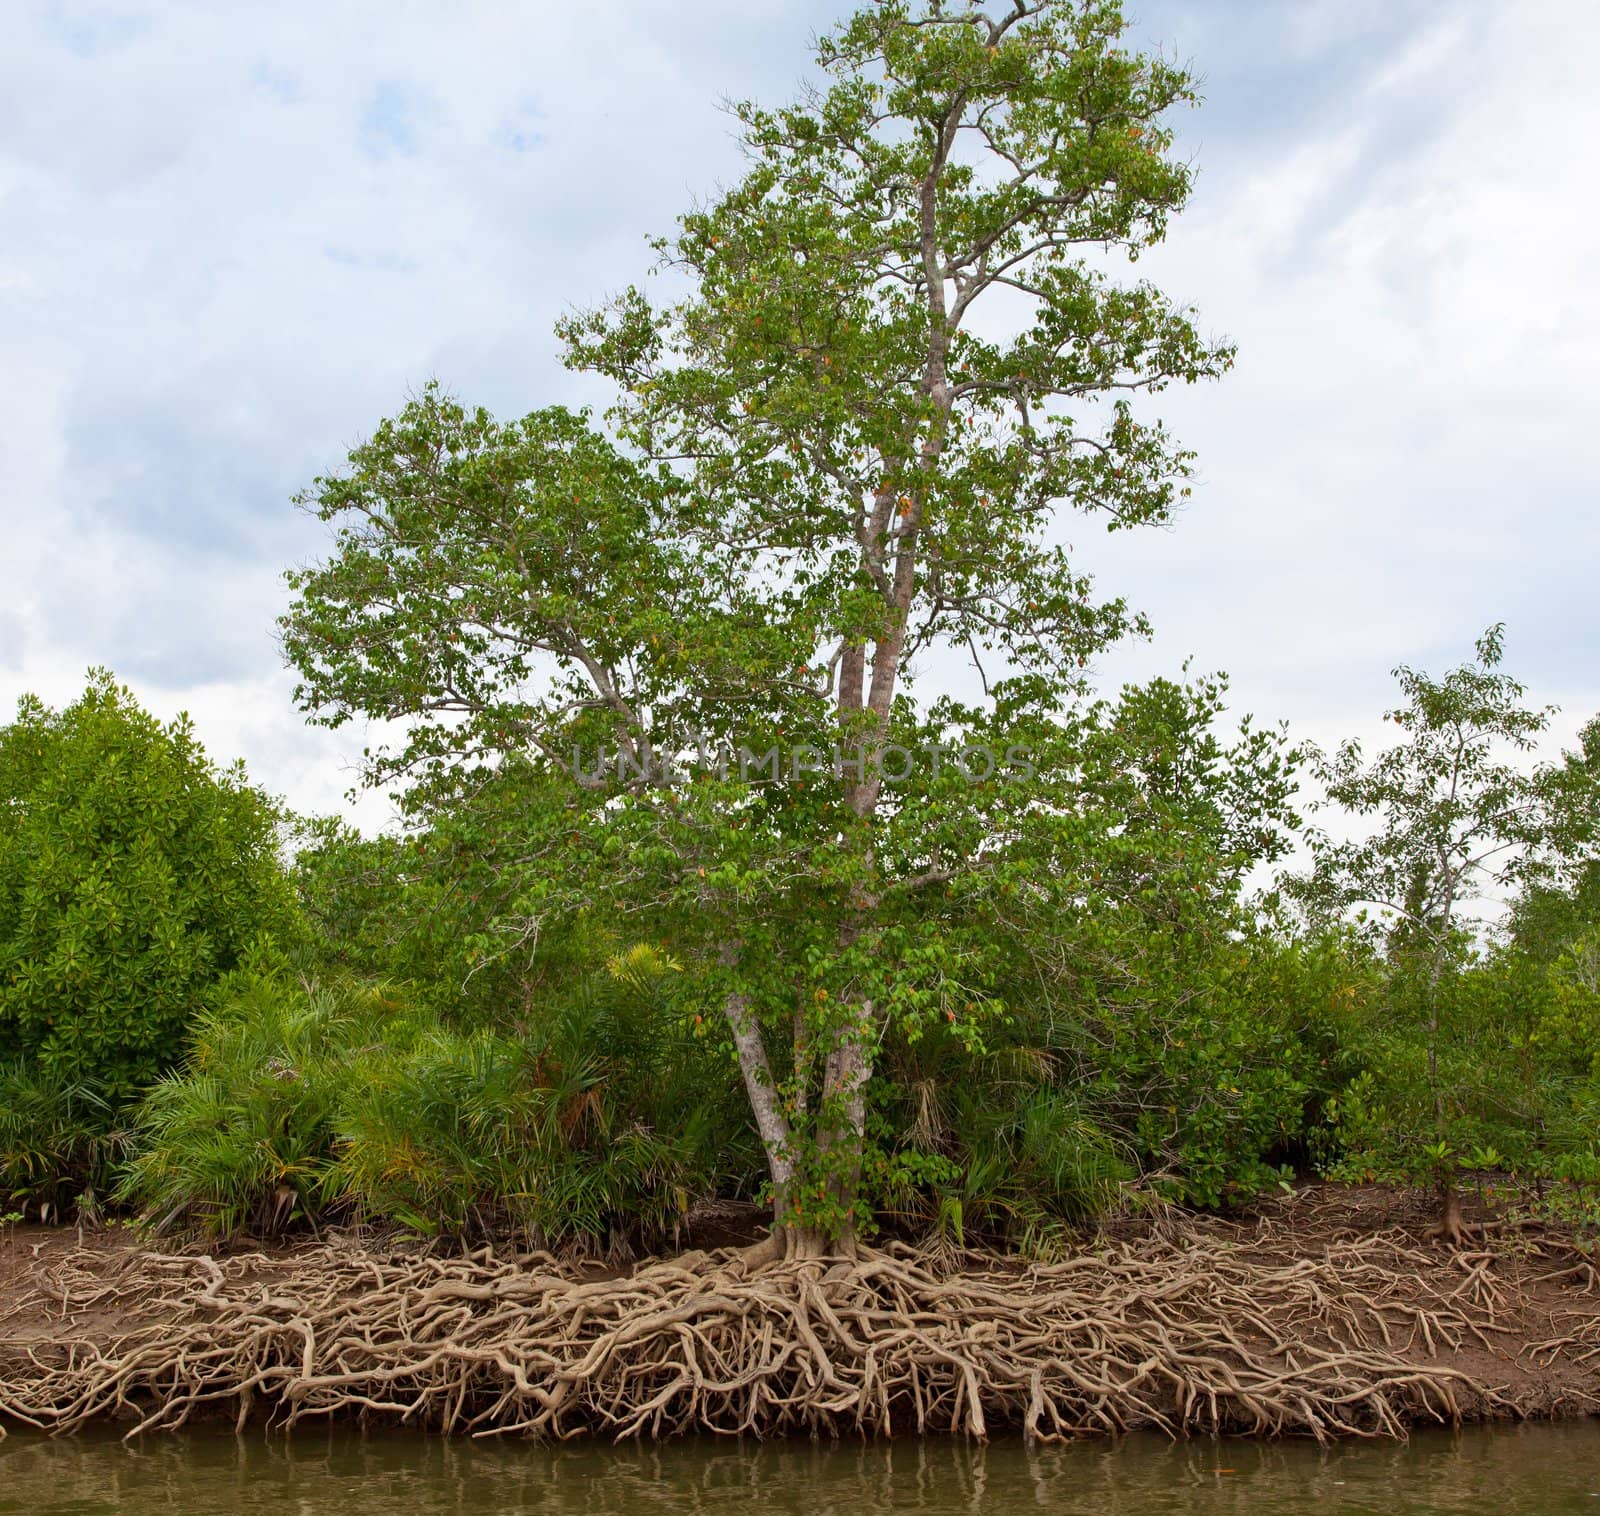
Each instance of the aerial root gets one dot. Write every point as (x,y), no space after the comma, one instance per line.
(1188,1333)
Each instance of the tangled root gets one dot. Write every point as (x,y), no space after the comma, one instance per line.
(1190,1333)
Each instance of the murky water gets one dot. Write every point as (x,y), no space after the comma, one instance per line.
(1546,1469)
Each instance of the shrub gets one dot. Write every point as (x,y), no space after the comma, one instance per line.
(57,1143)
(600,1121)
(133,875)
(242,1137)
(1490,1068)
(1020,1160)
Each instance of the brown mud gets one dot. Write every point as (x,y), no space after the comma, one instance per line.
(1332,1313)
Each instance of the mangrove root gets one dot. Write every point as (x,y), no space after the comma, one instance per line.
(1187,1332)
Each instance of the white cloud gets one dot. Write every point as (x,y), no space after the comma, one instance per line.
(237,235)
(1399,458)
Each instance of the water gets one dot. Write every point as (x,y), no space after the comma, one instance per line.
(1545,1469)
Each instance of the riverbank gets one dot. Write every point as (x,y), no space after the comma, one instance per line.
(1328,1314)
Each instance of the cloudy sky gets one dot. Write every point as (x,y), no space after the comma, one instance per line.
(232,236)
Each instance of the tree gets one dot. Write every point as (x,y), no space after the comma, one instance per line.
(133,874)
(1454,819)
(847,447)
(1155,1030)
(1560,899)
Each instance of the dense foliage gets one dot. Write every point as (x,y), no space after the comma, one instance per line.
(703,894)
(1165,1035)
(604,1121)
(134,876)
(898,364)
(1465,1066)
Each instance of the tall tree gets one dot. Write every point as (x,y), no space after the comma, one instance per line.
(900,358)
(1451,817)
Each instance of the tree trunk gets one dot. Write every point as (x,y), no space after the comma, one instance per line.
(777,1138)
(844,1098)
(1451,1229)
(895,523)
(792,1244)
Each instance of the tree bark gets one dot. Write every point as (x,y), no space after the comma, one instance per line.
(777,1138)
(1451,1229)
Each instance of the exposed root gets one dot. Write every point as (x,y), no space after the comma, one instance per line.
(1451,1229)
(1188,1332)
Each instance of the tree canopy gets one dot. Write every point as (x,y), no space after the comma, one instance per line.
(901,356)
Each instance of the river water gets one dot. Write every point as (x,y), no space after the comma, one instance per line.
(1546,1469)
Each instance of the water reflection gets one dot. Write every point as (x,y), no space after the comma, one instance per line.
(1512,1469)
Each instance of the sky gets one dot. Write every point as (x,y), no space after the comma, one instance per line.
(233,237)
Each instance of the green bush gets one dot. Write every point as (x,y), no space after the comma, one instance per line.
(57,1142)
(243,1137)
(1019,1159)
(133,875)
(602,1120)
(1170,1065)
(413,909)
(1492,1068)
(1219,1063)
